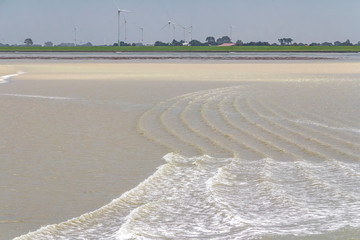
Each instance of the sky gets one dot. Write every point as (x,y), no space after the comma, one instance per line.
(304,21)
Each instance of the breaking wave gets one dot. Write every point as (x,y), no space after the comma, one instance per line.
(5,78)
(226,198)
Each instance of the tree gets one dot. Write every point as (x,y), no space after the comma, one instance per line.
(288,40)
(210,40)
(159,43)
(285,41)
(257,44)
(326,44)
(195,43)
(115,44)
(224,39)
(347,43)
(176,43)
(122,44)
(239,43)
(28,42)
(48,44)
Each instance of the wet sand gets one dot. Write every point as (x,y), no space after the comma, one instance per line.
(69,140)
(180,71)
(132,58)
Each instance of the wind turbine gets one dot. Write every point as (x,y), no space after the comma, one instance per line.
(142,34)
(231,31)
(190,32)
(75,29)
(119,12)
(169,23)
(187,30)
(125,22)
(184,28)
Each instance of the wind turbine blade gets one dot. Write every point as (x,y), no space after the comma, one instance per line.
(164,26)
(179,25)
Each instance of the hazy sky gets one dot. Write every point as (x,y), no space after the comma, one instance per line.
(252,20)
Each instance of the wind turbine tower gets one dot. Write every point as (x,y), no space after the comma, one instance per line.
(119,12)
(231,31)
(75,29)
(125,22)
(184,28)
(142,34)
(190,32)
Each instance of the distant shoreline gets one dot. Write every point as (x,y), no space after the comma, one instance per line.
(187,49)
(247,58)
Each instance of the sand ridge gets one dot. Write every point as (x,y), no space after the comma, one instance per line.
(177,71)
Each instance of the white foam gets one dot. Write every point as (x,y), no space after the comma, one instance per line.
(225,199)
(323,125)
(5,79)
(36,96)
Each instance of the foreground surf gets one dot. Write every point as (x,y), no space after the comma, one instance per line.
(227,198)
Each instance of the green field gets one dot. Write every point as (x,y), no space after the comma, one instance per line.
(186,49)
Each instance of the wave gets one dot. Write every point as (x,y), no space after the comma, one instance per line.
(238,122)
(226,198)
(36,96)
(308,122)
(5,78)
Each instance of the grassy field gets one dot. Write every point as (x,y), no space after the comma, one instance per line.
(186,49)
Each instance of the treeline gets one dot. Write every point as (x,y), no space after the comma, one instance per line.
(209,41)
(29,42)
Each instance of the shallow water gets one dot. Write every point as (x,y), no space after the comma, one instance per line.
(259,160)
(176,57)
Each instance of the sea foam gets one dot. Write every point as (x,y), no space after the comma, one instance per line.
(226,198)
(5,78)
(36,96)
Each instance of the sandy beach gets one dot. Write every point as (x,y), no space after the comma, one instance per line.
(175,71)
(70,139)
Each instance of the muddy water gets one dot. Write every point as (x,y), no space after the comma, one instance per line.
(247,159)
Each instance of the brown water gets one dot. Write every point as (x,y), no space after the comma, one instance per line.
(70,147)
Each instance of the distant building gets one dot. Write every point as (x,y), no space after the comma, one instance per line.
(227,45)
